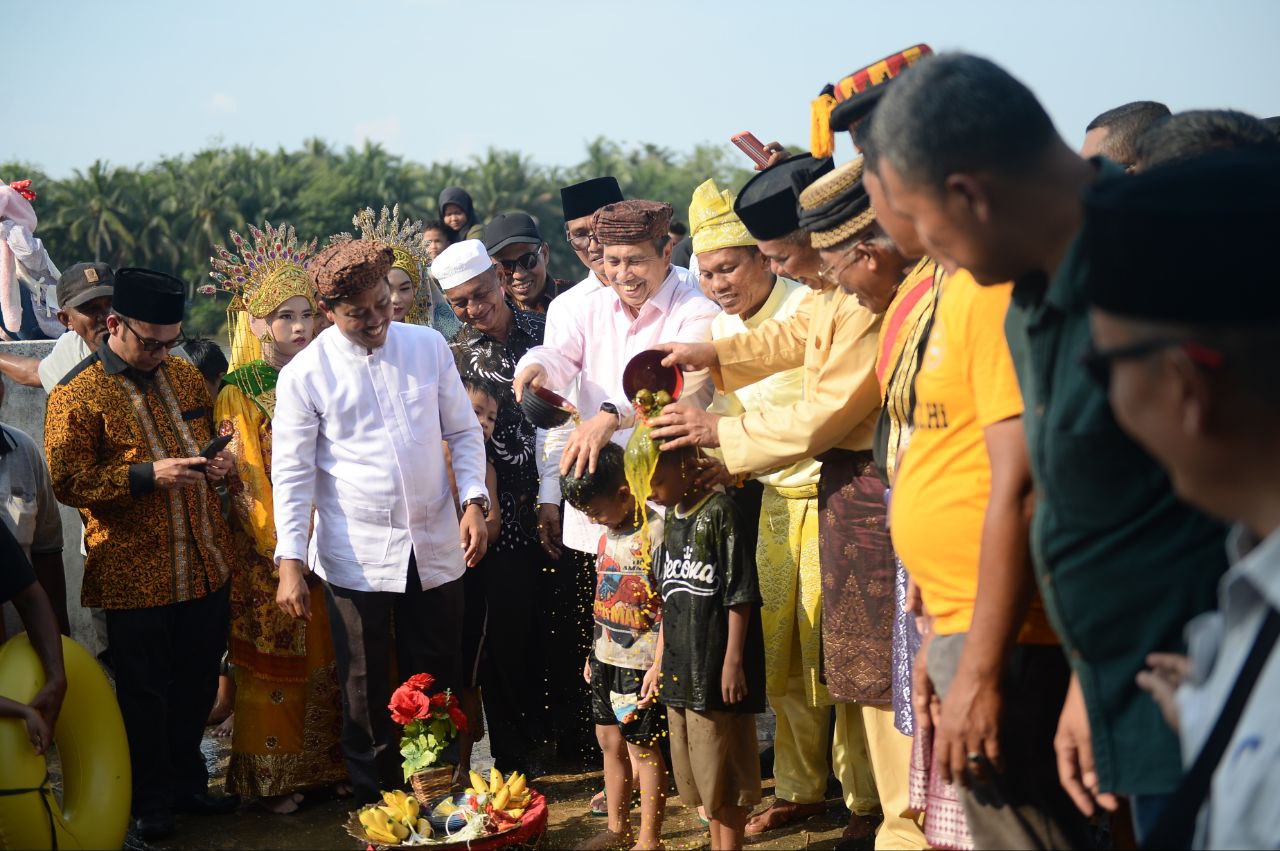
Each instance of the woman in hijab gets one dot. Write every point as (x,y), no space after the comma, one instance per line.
(458,211)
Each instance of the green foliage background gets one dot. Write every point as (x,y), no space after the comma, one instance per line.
(170,214)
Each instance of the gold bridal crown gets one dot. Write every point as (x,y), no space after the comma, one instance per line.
(265,273)
(402,236)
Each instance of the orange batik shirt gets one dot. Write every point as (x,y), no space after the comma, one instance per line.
(104,427)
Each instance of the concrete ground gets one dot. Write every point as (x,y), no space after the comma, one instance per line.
(319,823)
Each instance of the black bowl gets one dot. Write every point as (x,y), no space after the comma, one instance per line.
(544,408)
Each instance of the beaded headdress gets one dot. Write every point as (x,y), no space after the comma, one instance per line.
(262,275)
(403,237)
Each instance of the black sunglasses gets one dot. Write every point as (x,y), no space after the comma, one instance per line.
(1097,362)
(524,261)
(151,344)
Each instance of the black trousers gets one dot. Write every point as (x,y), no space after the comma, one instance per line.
(568,586)
(166,667)
(428,639)
(511,670)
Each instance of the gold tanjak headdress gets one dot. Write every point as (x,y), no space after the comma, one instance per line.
(261,276)
(712,222)
(402,236)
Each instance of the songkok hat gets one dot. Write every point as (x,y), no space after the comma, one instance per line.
(713,223)
(841,104)
(460,262)
(149,296)
(346,269)
(631,222)
(583,199)
(84,282)
(767,204)
(511,229)
(835,207)
(1136,230)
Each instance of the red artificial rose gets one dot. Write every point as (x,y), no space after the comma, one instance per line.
(407,704)
(458,717)
(422,682)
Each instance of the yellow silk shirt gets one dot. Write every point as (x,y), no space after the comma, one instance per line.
(834,339)
(779,391)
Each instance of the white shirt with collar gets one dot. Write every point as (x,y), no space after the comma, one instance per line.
(359,436)
(591,344)
(1243,810)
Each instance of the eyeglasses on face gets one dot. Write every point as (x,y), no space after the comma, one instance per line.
(1098,362)
(525,261)
(151,344)
(580,240)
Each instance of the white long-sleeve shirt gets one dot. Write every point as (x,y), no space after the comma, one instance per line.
(358,436)
(591,344)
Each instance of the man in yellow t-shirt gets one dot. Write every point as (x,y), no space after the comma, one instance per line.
(959,523)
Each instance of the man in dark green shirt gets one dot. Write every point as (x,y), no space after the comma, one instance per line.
(971,156)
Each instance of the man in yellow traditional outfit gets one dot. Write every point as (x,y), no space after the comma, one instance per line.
(737,276)
(834,339)
(288,723)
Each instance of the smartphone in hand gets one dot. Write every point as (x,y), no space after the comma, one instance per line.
(752,147)
(213,447)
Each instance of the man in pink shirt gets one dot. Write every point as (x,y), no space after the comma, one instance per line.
(647,301)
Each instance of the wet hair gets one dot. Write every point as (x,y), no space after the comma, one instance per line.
(1196,132)
(610,476)
(684,455)
(207,357)
(959,113)
(1125,124)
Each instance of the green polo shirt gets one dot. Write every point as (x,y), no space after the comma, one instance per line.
(1121,563)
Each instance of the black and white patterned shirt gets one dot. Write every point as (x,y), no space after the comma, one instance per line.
(511,451)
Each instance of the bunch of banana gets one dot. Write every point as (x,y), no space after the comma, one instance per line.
(509,797)
(395,820)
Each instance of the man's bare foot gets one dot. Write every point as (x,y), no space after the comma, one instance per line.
(782,813)
(224,728)
(606,840)
(281,805)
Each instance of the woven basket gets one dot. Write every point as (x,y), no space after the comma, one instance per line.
(431,784)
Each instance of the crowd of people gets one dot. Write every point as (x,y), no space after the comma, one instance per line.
(970,480)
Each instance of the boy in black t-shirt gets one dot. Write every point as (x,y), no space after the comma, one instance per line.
(711,648)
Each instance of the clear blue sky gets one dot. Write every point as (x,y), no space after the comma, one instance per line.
(444,79)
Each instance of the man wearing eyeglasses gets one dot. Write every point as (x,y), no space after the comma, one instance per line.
(124,432)
(520,255)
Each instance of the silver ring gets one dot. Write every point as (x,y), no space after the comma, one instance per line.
(973,756)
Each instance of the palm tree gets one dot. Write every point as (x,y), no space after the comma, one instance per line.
(94,208)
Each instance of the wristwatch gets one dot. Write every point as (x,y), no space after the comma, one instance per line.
(610,408)
(482,501)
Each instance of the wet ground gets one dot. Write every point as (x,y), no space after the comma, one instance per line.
(319,823)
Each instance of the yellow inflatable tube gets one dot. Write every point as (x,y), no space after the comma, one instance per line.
(92,746)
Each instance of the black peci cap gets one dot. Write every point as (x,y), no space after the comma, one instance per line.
(583,199)
(1137,228)
(149,296)
(767,204)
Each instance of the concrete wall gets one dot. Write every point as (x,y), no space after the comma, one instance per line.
(23,408)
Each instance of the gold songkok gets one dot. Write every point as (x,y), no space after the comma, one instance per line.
(402,236)
(835,207)
(261,274)
(712,221)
